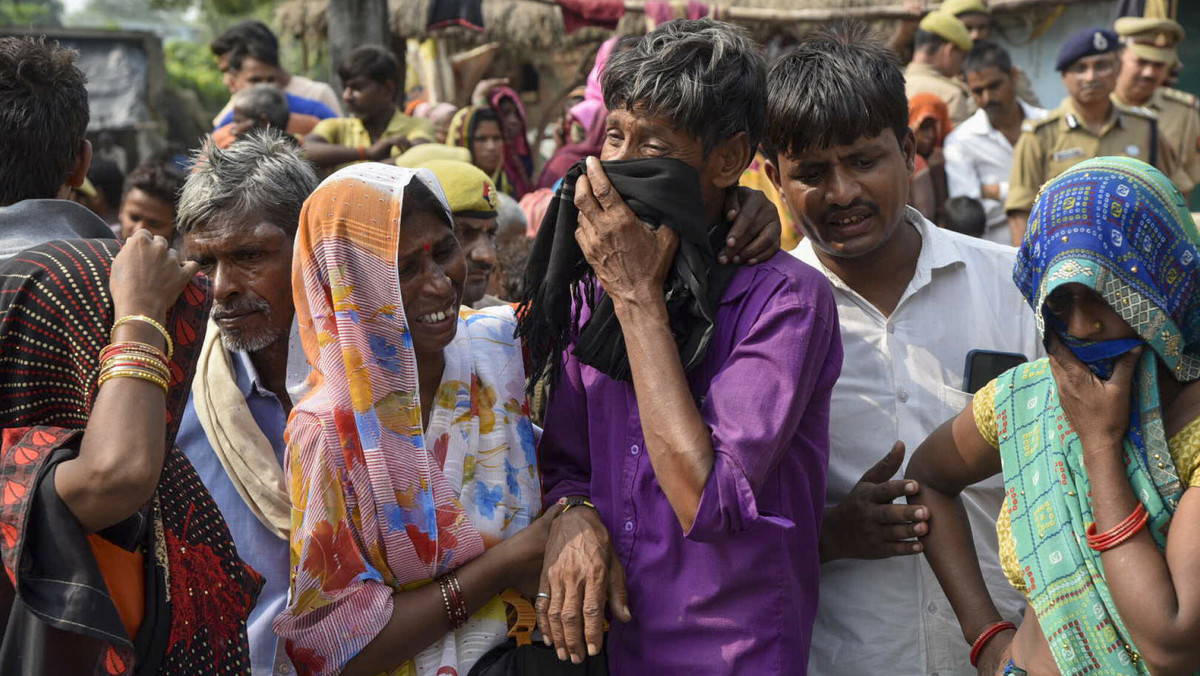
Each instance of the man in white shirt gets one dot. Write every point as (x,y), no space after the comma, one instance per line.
(979,152)
(913,301)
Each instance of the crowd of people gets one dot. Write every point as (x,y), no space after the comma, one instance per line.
(733,382)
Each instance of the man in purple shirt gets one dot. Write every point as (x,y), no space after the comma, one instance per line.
(703,487)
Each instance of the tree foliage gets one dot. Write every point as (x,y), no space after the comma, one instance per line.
(191,66)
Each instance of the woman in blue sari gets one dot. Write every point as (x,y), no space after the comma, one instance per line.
(1099,444)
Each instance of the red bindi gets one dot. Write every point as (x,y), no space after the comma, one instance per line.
(427,247)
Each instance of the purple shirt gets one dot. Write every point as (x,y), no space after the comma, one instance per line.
(738,593)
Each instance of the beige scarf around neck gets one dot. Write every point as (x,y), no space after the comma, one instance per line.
(244,451)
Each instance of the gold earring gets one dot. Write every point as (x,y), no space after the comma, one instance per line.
(1097,326)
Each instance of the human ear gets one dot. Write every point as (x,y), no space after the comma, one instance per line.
(908,146)
(729,159)
(83,161)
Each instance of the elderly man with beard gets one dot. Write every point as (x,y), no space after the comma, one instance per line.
(913,301)
(686,430)
(237,215)
(979,152)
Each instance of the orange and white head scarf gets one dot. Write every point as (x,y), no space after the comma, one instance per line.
(380,505)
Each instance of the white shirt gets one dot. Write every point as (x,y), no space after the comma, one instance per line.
(978,154)
(901,378)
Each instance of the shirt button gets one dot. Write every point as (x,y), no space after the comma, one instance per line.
(634,450)
(932,608)
(891,328)
(629,526)
(902,396)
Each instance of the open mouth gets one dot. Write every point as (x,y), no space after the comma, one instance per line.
(438,316)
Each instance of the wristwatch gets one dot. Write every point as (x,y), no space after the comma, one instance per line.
(574,501)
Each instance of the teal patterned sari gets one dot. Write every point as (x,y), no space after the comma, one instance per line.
(1120,228)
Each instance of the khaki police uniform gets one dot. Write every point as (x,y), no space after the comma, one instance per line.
(1179,126)
(920,77)
(1178,113)
(1050,146)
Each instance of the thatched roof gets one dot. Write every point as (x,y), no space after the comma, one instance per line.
(534,29)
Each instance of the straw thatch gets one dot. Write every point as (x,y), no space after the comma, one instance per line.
(534,28)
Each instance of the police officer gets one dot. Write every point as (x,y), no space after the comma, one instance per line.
(977,18)
(1087,124)
(1145,63)
(941,45)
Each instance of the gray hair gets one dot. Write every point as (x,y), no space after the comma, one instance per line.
(263,100)
(263,176)
(510,215)
(704,75)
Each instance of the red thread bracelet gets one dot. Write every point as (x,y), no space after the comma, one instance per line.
(1119,533)
(362,152)
(987,635)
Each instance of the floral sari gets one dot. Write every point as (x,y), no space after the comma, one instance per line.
(381,505)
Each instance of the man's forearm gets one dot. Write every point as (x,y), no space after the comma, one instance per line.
(1017,222)
(677,440)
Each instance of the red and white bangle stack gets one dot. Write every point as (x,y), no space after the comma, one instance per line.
(452,597)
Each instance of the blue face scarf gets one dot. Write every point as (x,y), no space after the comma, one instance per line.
(1120,228)
(1099,356)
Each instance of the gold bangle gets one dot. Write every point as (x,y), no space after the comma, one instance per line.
(131,372)
(146,320)
(158,367)
(129,368)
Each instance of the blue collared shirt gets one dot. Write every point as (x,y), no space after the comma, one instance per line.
(257,546)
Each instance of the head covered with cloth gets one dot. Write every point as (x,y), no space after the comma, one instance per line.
(404,489)
(672,153)
(1113,232)
(120,600)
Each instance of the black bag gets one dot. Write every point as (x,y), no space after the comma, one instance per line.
(535,659)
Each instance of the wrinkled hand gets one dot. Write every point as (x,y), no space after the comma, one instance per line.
(866,525)
(581,574)
(147,277)
(755,230)
(1098,410)
(531,542)
(630,260)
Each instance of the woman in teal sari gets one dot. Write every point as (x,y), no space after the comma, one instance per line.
(1099,443)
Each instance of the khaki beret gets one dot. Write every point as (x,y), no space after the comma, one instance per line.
(947,27)
(468,190)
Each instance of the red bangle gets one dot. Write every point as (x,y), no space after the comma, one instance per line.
(362,152)
(1119,533)
(987,635)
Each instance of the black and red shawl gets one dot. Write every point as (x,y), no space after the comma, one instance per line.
(56,614)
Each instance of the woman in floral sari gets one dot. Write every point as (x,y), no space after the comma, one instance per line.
(1099,444)
(411,463)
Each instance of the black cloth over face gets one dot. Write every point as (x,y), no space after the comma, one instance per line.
(662,192)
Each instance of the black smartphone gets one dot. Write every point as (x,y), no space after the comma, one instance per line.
(985,365)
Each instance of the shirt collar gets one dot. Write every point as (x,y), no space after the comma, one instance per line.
(937,251)
(1072,120)
(978,122)
(246,375)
